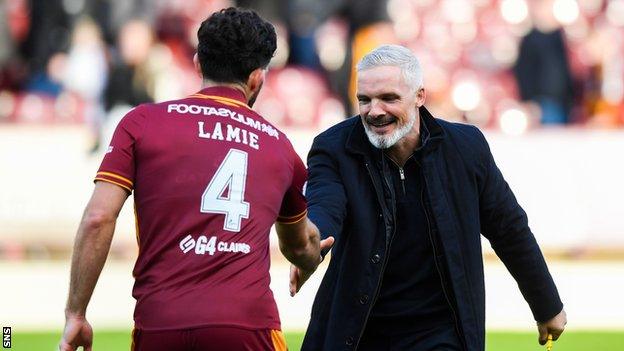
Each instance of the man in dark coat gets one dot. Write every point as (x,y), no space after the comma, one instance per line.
(542,70)
(406,196)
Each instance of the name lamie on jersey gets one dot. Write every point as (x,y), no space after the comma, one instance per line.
(221,134)
(209,245)
(235,134)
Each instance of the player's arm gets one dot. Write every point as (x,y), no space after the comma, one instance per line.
(299,238)
(300,243)
(91,248)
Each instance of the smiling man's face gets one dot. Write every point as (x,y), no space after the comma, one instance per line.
(388,105)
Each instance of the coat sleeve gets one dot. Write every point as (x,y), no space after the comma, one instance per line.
(504,223)
(325,191)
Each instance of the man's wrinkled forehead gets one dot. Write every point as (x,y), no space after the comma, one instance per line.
(380,78)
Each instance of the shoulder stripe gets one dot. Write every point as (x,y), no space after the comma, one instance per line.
(116,176)
(113,182)
(292,219)
(295,216)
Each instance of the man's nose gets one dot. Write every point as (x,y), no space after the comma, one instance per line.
(376,109)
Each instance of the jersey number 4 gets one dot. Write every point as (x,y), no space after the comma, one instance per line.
(224,194)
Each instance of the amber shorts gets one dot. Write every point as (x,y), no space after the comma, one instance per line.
(209,338)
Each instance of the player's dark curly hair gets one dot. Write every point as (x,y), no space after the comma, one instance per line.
(232,43)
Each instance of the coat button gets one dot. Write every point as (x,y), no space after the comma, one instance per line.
(363,299)
(380,215)
(349,341)
(375,259)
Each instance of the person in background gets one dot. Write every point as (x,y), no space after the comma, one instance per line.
(542,71)
(128,81)
(87,53)
(48,36)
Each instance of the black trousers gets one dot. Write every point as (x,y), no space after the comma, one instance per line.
(439,338)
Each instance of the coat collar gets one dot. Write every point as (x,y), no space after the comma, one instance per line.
(357,141)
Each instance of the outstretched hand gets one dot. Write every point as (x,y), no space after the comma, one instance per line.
(554,327)
(298,276)
(78,332)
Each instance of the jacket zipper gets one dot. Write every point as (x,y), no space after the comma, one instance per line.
(383,267)
(402,176)
(435,262)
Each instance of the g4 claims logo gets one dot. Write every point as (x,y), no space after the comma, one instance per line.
(210,245)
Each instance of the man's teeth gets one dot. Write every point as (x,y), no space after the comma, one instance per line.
(382,124)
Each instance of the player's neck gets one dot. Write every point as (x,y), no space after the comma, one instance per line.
(238,86)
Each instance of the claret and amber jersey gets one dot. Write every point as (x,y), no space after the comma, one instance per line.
(210,176)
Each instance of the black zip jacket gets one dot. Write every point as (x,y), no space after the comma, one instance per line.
(466,196)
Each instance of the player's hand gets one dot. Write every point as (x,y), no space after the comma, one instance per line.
(554,326)
(299,276)
(78,332)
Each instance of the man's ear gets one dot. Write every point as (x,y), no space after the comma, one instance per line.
(256,79)
(421,95)
(197,65)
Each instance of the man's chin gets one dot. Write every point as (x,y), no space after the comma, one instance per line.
(380,141)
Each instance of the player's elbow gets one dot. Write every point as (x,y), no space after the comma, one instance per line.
(96,219)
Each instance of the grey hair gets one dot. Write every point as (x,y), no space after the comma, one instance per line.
(395,55)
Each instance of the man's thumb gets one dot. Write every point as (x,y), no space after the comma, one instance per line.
(327,243)
(543,334)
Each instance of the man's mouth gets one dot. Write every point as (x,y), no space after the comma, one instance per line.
(380,122)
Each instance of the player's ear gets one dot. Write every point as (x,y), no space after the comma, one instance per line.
(197,65)
(256,79)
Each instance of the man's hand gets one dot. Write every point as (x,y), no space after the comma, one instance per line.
(554,326)
(77,333)
(298,276)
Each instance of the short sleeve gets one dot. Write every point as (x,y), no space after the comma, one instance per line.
(118,165)
(294,206)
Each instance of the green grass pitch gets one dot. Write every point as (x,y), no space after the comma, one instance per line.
(496,341)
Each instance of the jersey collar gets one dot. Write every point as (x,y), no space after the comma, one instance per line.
(223,94)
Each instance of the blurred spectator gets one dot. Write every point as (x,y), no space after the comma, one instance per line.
(7,47)
(368,27)
(468,46)
(111,15)
(128,80)
(48,35)
(604,85)
(6,41)
(542,70)
(87,54)
(301,18)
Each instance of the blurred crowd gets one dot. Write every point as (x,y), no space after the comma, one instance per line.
(508,64)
